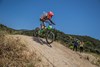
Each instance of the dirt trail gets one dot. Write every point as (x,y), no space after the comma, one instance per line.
(57,55)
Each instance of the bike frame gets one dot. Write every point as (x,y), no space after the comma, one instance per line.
(49,27)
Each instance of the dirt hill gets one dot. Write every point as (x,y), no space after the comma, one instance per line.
(55,55)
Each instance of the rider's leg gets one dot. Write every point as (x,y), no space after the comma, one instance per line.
(43,25)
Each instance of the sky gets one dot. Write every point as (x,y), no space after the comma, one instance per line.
(78,17)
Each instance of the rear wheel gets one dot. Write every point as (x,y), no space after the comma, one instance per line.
(50,37)
(36,32)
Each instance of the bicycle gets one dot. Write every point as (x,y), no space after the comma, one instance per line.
(47,33)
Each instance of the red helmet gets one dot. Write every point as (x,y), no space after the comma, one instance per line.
(50,13)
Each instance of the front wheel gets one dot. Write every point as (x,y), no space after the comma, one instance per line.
(50,37)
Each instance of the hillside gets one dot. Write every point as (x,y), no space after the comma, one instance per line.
(91,44)
(25,51)
(29,51)
(6,29)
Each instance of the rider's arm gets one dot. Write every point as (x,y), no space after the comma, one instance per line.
(51,21)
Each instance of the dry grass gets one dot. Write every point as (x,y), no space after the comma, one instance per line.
(97,59)
(14,53)
(93,58)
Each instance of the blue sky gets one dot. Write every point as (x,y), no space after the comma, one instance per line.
(79,17)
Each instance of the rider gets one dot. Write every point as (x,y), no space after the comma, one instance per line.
(45,17)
